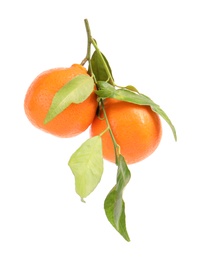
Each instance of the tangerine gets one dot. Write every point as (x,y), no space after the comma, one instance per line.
(74,119)
(136,128)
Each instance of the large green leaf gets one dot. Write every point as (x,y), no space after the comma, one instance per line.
(98,66)
(87,166)
(114,204)
(75,91)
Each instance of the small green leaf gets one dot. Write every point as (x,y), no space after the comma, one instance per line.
(75,91)
(87,166)
(114,204)
(132,88)
(98,67)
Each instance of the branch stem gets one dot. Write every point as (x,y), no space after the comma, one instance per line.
(88,53)
(116,146)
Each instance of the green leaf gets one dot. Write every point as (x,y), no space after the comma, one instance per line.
(114,204)
(98,67)
(87,166)
(75,91)
(132,88)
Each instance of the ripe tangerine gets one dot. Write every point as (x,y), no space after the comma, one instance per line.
(136,128)
(74,119)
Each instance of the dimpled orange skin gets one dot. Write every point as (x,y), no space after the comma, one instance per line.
(74,119)
(137,129)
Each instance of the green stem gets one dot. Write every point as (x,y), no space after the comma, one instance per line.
(88,54)
(116,146)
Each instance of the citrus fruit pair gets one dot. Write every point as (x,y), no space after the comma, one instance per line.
(137,129)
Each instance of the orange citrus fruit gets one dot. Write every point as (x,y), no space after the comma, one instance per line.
(74,119)
(136,128)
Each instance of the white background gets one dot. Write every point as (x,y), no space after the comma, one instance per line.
(149,44)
